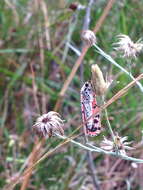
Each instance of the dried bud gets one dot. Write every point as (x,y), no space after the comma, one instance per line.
(88,37)
(73,6)
(76,6)
(98,83)
(49,123)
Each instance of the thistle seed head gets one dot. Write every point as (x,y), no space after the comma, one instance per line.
(126,46)
(49,123)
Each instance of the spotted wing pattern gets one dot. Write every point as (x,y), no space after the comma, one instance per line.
(89,107)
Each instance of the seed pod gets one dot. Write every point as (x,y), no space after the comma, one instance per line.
(98,83)
(88,37)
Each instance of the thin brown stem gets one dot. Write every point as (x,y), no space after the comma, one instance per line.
(34,89)
(93,169)
(103,16)
(35,154)
(33,158)
(28,172)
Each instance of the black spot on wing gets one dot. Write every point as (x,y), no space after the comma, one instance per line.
(86,84)
(94,106)
(95,121)
(93,129)
(89,89)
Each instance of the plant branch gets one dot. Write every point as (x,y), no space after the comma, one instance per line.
(87,15)
(83,53)
(108,123)
(90,161)
(109,58)
(99,150)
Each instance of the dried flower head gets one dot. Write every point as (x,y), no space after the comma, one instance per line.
(120,143)
(127,46)
(73,6)
(49,123)
(88,37)
(98,83)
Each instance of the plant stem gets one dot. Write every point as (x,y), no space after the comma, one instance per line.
(109,58)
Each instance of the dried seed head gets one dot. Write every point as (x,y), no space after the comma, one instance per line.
(49,123)
(126,46)
(98,83)
(88,37)
(73,6)
(120,143)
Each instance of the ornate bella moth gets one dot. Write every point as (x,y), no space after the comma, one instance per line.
(89,107)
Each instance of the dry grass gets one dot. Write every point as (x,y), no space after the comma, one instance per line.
(40,73)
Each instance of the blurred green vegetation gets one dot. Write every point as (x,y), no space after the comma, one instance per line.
(23,44)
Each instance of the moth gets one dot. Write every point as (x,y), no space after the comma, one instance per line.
(92,125)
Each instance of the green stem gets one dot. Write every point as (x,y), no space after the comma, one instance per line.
(109,58)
